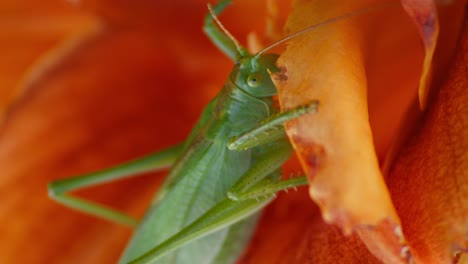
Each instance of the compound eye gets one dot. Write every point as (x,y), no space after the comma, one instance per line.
(254,80)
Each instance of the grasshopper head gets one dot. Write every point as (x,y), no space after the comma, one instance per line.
(253,75)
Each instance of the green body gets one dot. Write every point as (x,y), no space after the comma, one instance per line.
(202,176)
(221,176)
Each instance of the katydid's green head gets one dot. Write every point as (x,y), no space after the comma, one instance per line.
(253,75)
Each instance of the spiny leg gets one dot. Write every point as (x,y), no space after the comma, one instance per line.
(268,187)
(270,129)
(58,189)
(274,156)
(226,43)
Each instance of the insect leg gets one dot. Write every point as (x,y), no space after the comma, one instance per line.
(270,129)
(275,155)
(269,187)
(58,189)
(219,38)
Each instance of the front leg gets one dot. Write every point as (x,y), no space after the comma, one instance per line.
(270,129)
(276,154)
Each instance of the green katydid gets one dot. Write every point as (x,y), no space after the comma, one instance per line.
(228,168)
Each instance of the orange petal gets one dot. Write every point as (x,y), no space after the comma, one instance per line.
(335,146)
(429,180)
(424,15)
(33,36)
(292,231)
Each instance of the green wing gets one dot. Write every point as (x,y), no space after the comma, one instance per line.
(203,181)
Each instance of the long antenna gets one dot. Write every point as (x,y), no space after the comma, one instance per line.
(221,26)
(328,21)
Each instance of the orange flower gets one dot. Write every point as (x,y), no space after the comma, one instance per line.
(102,83)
